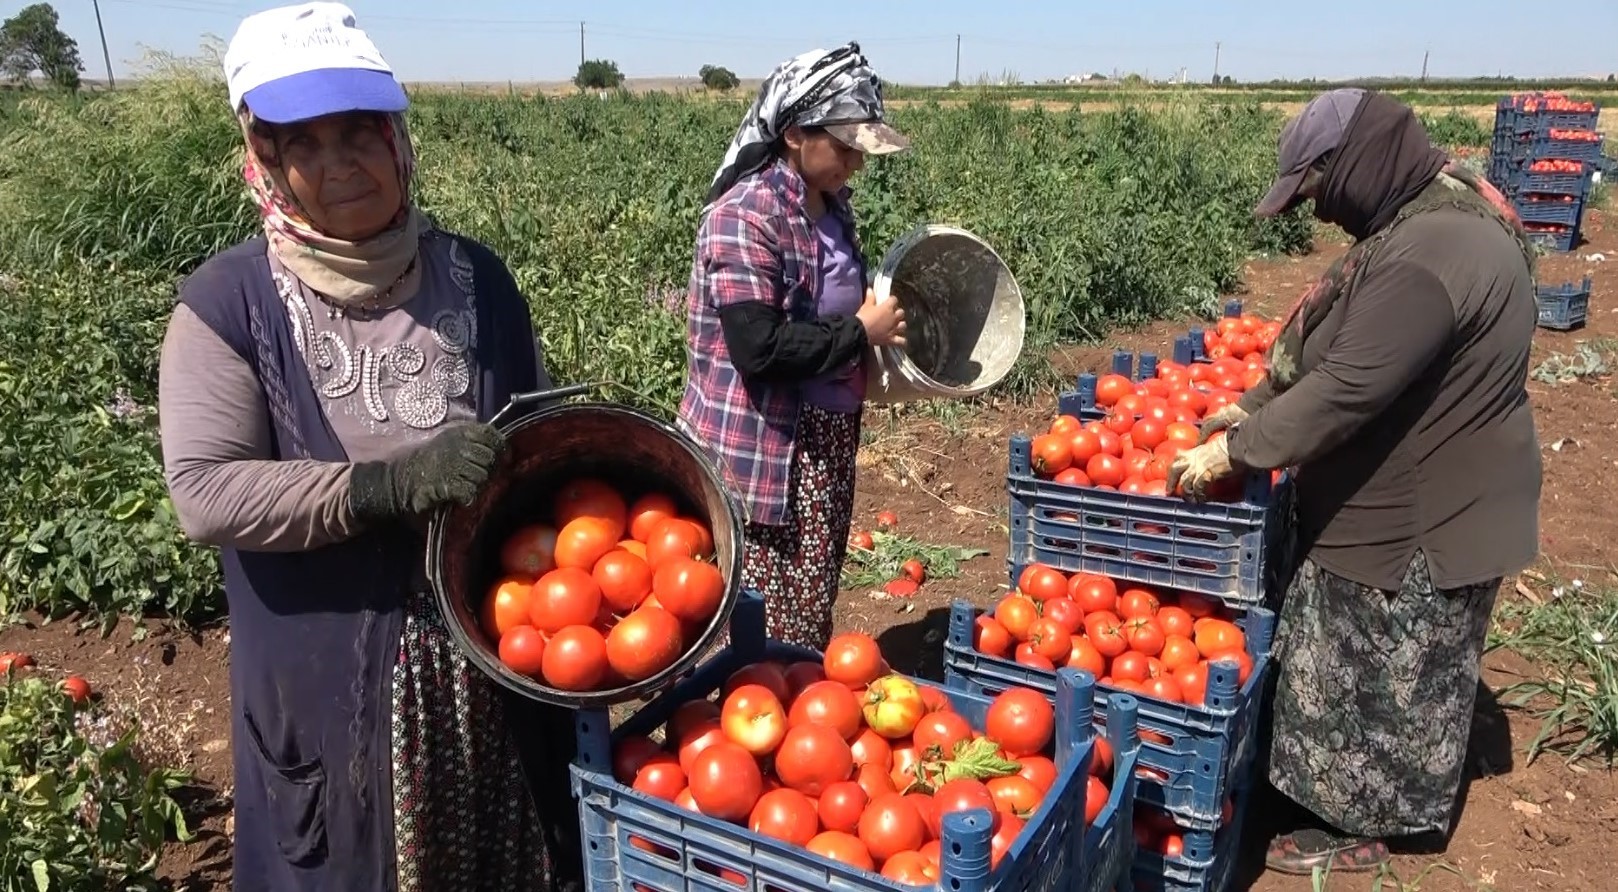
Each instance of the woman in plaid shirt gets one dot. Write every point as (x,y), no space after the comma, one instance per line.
(781,322)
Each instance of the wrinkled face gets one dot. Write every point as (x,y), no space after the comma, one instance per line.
(342,173)
(825,162)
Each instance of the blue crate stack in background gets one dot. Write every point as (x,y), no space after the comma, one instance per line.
(1544,152)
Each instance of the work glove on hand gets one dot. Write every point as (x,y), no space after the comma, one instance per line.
(1221,420)
(450,467)
(1199,467)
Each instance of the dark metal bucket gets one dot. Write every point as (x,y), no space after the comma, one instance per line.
(628,448)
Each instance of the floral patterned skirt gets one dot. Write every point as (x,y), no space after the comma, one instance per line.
(796,566)
(464,816)
(1374,696)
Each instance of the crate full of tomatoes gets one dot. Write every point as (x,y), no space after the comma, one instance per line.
(775,767)
(1197,669)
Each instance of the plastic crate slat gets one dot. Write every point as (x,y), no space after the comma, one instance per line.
(690,850)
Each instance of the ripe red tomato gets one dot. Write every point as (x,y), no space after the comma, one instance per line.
(943,730)
(886,520)
(963,794)
(990,637)
(673,537)
(76,689)
(927,807)
(1026,655)
(644,643)
(861,539)
(813,757)
(1095,799)
(1041,583)
(688,588)
(1112,388)
(801,675)
(891,825)
(1178,652)
(522,649)
(630,754)
(768,674)
(1050,454)
(844,848)
(1021,721)
(875,780)
(1216,636)
(1039,771)
(1072,477)
(697,738)
(1084,444)
(567,596)
(911,869)
(914,571)
(853,659)
(1015,794)
(1106,632)
(786,815)
(1050,639)
(575,659)
(647,512)
(1137,602)
(1129,666)
(530,552)
(1093,593)
(1175,621)
(1105,470)
(1065,613)
(1084,655)
(841,805)
(1000,844)
(827,703)
(660,775)
(1101,758)
(1144,635)
(1164,687)
(1016,613)
(871,748)
(624,578)
(725,781)
(1193,682)
(754,719)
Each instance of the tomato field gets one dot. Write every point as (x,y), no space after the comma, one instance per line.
(1123,225)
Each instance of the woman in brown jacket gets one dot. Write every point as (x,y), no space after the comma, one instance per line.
(1397,391)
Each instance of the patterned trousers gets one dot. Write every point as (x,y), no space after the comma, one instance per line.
(797,565)
(1374,697)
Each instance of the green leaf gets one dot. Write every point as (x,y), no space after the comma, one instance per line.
(42,875)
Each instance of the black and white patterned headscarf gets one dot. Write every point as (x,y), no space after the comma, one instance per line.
(835,89)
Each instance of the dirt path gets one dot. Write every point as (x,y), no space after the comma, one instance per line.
(1524,827)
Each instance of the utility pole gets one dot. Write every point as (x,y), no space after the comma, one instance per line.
(581,44)
(1424,57)
(105,56)
(1216,62)
(957,58)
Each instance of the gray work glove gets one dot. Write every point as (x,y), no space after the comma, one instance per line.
(1221,420)
(450,467)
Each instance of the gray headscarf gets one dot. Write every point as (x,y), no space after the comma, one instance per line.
(820,88)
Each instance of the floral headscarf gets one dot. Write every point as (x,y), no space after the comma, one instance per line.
(363,272)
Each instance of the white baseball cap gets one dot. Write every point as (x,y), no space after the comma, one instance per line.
(294,63)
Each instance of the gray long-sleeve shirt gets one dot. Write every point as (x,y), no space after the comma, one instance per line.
(386,382)
(1411,423)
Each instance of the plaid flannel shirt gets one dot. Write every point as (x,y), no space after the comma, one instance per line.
(757,243)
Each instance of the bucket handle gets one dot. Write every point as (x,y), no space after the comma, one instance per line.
(519,400)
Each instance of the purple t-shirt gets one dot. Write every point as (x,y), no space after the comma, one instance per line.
(841,293)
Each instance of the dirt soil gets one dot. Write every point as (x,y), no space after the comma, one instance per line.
(1540,826)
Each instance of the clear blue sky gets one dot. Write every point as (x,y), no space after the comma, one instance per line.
(913,41)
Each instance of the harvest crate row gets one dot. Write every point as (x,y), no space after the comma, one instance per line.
(1544,153)
(1161,599)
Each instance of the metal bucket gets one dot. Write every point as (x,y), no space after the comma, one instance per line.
(964,318)
(633,451)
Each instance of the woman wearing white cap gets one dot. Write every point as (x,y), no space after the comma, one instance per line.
(323,386)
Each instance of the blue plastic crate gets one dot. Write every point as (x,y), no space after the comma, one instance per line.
(1209,859)
(1509,119)
(1208,750)
(1521,151)
(1561,213)
(688,851)
(1220,549)
(1563,307)
(1520,182)
(1562,241)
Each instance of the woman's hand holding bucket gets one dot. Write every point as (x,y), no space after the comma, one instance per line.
(884,322)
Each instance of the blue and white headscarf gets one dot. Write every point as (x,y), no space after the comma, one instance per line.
(835,89)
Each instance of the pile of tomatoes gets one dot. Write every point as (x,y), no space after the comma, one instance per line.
(603,591)
(1556,165)
(1128,636)
(1157,831)
(1150,422)
(852,762)
(1549,102)
(1576,135)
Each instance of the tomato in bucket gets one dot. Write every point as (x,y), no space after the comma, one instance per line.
(601,561)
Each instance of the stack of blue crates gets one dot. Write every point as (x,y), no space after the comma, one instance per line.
(1544,151)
